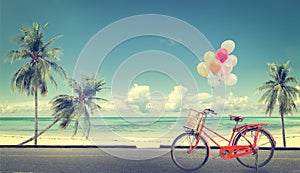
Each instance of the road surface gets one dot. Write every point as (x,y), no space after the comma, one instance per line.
(95,160)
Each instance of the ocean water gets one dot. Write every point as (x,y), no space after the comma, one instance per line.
(142,127)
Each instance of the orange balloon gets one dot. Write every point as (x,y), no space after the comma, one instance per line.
(215,66)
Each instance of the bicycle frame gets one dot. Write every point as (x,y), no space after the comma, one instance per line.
(232,151)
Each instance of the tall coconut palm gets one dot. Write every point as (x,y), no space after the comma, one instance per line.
(279,91)
(66,107)
(32,77)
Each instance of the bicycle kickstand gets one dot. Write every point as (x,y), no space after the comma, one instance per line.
(256,161)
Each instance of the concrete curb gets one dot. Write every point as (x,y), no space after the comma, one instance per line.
(112,146)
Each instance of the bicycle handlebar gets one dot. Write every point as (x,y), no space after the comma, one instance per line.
(209,111)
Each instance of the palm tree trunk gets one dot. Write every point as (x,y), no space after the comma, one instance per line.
(87,134)
(283,130)
(42,132)
(36,125)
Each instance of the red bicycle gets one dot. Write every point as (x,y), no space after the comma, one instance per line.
(252,145)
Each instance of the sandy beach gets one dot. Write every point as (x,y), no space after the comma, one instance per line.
(293,140)
(44,140)
(82,141)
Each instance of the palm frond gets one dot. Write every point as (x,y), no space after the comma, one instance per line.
(45,26)
(264,98)
(98,98)
(99,85)
(57,68)
(93,106)
(62,106)
(22,79)
(52,80)
(53,53)
(291,79)
(17,55)
(50,42)
(272,70)
(43,88)
(267,85)
(75,86)
(293,92)
(272,102)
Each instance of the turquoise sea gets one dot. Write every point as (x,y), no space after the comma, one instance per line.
(151,127)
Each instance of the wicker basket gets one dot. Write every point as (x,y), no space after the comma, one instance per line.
(194,120)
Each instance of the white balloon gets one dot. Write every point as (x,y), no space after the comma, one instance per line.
(213,80)
(229,45)
(226,68)
(208,57)
(232,59)
(230,79)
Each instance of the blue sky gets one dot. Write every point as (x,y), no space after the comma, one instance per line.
(264,31)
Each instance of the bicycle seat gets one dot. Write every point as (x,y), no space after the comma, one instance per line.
(236,118)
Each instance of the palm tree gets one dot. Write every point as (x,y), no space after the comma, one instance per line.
(62,107)
(278,91)
(66,107)
(32,76)
(83,103)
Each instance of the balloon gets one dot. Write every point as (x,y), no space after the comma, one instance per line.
(226,68)
(232,59)
(230,79)
(208,57)
(213,81)
(215,66)
(201,69)
(222,54)
(229,45)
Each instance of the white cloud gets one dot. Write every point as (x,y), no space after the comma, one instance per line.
(107,106)
(120,103)
(232,104)
(197,101)
(24,106)
(175,99)
(142,100)
(139,97)
(6,108)
(204,96)
(236,102)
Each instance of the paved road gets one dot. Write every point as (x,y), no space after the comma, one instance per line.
(94,160)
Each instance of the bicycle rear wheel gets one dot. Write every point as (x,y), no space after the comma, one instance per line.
(265,144)
(186,159)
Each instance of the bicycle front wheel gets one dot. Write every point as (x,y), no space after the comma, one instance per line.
(183,155)
(265,144)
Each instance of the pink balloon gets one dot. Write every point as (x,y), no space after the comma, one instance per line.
(222,54)
(215,66)
(226,68)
